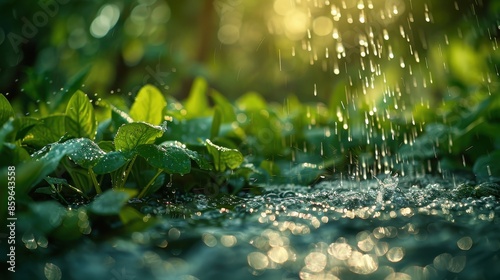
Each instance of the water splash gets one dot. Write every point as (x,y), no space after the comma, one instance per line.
(387,188)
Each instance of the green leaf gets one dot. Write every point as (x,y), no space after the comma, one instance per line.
(134,220)
(189,131)
(487,168)
(50,156)
(111,162)
(197,103)
(106,146)
(84,152)
(131,135)
(13,154)
(110,202)
(24,124)
(81,112)
(227,109)
(48,130)
(251,101)
(5,130)
(224,157)
(216,121)
(200,160)
(148,106)
(171,159)
(6,111)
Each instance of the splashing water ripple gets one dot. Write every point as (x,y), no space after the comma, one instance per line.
(420,229)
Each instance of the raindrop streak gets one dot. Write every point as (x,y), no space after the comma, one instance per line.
(279,58)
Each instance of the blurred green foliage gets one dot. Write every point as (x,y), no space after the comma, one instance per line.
(238,45)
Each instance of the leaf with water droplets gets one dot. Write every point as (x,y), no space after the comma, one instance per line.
(131,135)
(50,155)
(200,159)
(172,159)
(148,106)
(83,152)
(82,121)
(110,202)
(111,162)
(224,157)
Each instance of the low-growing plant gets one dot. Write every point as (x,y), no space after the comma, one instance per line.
(100,153)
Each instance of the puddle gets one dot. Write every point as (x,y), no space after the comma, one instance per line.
(408,229)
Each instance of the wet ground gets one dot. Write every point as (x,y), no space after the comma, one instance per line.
(388,228)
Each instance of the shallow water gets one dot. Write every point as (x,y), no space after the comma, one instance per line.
(400,228)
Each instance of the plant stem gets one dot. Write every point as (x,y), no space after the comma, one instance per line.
(94,180)
(123,177)
(145,189)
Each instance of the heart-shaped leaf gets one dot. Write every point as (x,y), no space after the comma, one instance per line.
(172,159)
(148,106)
(224,157)
(81,113)
(131,135)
